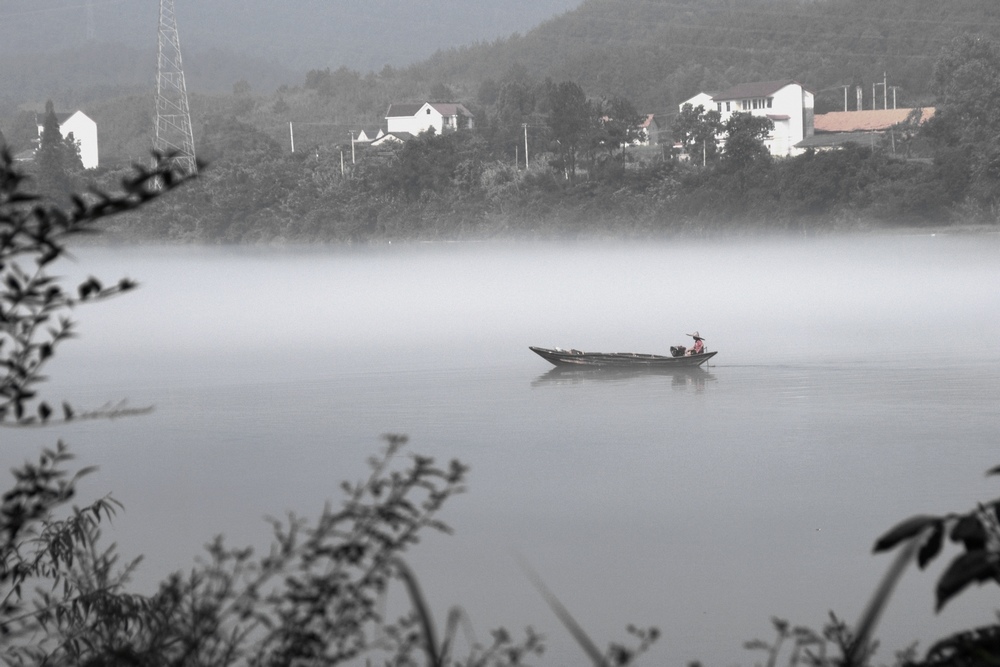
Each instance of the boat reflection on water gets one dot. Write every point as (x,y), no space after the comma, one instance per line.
(681,377)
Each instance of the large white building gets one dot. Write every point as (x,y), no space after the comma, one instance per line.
(786,103)
(416,118)
(84,131)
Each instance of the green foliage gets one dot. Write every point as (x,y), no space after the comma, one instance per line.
(57,158)
(620,123)
(34,306)
(745,135)
(572,121)
(697,131)
(977,532)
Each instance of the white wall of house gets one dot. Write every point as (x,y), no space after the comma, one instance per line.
(443,118)
(702,99)
(84,131)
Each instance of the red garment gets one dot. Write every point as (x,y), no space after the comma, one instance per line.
(698,347)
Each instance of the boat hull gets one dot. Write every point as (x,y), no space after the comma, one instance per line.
(570,358)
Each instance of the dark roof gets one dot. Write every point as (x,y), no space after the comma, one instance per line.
(443,108)
(744,91)
(396,110)
(450,109)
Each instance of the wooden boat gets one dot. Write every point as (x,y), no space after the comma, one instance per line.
(570,358)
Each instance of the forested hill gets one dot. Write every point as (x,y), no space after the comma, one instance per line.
(60,49)
(659,52)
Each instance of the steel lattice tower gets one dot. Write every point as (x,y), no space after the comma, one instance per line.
(173,116)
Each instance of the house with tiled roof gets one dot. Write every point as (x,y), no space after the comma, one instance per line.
(649,131)
(864,127)
(785,102)
(412,119)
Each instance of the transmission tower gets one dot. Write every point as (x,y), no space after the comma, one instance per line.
(173,116)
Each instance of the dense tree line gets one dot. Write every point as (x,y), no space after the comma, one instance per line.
(582,177)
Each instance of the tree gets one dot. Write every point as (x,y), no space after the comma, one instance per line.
(967,84)
(697,131)
(57,158)
(621,123)
(745,135)
(34,307)
(571,121)
(514,104)
(967,121)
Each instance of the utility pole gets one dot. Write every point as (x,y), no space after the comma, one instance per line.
(173,115)
(291,135)
(885,92)
(352,146)
(525,126)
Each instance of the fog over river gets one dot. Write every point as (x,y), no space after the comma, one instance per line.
(856,384)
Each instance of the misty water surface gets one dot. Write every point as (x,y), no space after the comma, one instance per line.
(856,384)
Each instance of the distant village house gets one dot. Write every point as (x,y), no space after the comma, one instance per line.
(649,132)
(412,119)
(786,103)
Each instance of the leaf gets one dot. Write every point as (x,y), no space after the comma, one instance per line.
(932,547)
(970,567)
(969,531)
(905,530)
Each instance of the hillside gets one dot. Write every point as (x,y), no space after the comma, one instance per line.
(659,52)
(655,53)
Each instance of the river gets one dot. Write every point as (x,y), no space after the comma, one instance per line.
(856,384)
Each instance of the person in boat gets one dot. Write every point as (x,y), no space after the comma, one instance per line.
(699,344)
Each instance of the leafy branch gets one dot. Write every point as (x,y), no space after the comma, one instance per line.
(34,306)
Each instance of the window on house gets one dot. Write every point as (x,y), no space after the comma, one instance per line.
(428,112)
(718,106)
(727,106)
(770,102)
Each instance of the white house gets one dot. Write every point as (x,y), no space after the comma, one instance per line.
(84,131)
(416,118)
(785,102)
